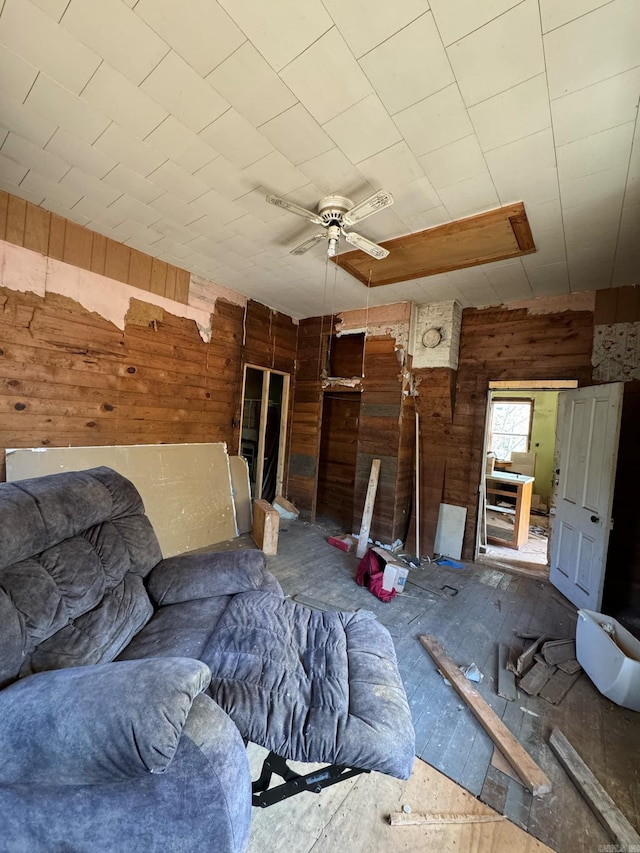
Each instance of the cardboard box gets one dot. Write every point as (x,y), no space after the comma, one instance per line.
(394,577)
(346,542)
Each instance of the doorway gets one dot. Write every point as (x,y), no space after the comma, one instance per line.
(264,428)
(517,491)
(338,456)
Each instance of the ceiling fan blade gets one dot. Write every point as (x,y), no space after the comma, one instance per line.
(368,207)
(295,208)
(304,247)
(367,246)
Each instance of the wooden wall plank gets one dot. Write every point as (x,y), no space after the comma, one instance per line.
(170,284)
(116,264)
(98,253)
(606,307)
(77,246)
(628,305)
(182,286)
(36,233)
(4,206)
(16,215)
(57,228)
(158,280)
(139,270)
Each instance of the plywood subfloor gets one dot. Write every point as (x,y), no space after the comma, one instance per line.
(354,816)
(488,606)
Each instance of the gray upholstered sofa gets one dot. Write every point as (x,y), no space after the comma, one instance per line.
(130,684)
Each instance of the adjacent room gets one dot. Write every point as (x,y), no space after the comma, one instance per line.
(320,385)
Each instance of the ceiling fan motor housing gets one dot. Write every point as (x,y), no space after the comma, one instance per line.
(332,208)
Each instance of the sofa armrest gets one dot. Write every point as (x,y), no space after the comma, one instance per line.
(97,724)
(204,575)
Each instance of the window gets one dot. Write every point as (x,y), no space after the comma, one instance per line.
(510,426)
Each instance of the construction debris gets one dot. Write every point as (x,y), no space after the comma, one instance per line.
(546,667)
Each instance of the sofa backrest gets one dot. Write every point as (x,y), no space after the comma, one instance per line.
(74,548)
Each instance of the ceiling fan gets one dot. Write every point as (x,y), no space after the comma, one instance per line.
(337,214)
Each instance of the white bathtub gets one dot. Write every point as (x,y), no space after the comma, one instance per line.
(610,656)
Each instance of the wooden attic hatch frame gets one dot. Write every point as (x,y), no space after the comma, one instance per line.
(492,236)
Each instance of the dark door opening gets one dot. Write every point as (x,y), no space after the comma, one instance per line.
(338,455)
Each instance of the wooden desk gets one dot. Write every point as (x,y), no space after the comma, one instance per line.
(518,488)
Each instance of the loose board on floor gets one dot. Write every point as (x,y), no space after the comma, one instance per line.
(186,488)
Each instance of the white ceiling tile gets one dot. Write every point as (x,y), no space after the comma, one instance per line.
(16,75)
(132,152)
(213,205)
(596,46)
(212,228)
(534,188)
(75,152)
(30,155)
(247,81)
(499,55)
(511,115)
(438,120)
(363,129)
(526,156)
(415,197)
(554,14)
(132,184)
(392,168)
(550,249)
(52,190)
(116,34)
(594,153)
(172,138)
(471,196)
(232,136)
(326,78)
(175,209)
(53,8)
(409,66)
(596,107)
(227,179)
(297,135)
(181,91)
(195,156)
(545,216)
(58,105)
(458,19)
(61,209)
(38,39)
(81,182)
(23,121)
(9,187)
(363,30)
(111,93)
(430,218)
(277,174)
(280,31)
(254,202)
(549,280)
(136,235)
(204,35)
(455,162)
(175,180)
(385,225)
(98,214)
(12,171)
(333,172)
(130,208)
(174,231)
(595,189)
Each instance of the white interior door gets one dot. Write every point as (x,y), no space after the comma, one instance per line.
(589,421)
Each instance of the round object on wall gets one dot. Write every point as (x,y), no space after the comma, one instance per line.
(431,338)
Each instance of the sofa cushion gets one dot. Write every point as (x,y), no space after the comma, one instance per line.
(99,635)
(312,685)
(95,724)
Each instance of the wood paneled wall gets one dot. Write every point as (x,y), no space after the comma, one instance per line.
(496,343)
(35,228)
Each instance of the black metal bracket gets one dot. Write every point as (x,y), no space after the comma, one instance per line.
(295,783)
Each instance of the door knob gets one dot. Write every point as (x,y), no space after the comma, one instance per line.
(595,519)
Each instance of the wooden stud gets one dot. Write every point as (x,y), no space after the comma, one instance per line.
(604,808)
(532,776)
(367,514)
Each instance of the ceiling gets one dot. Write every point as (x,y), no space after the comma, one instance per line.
(164,124)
